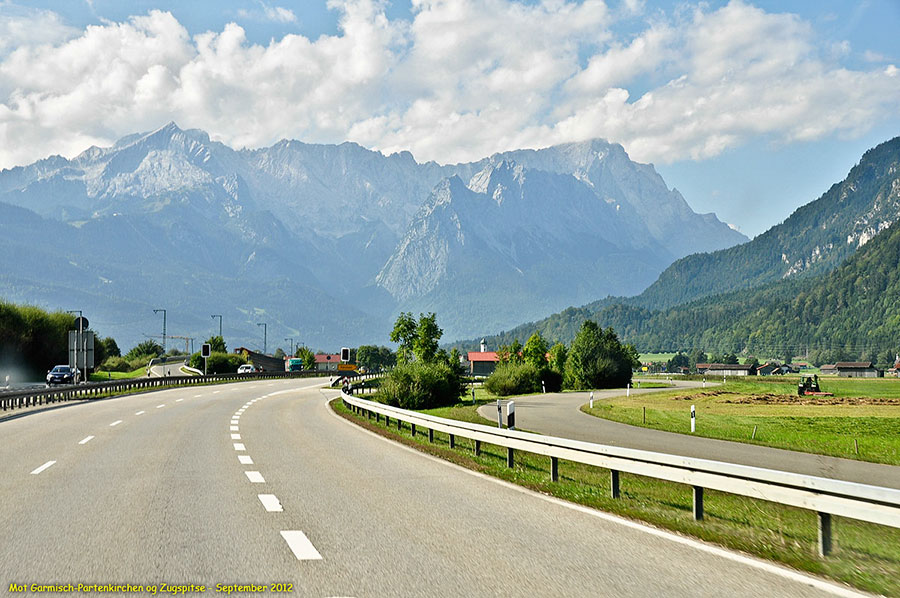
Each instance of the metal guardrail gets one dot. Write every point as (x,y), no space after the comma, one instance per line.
(93,390)
(825,496)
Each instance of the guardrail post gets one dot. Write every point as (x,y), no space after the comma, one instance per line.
(614,483)
(413,428)
(387,421)
(399,424)
(824,534)
(510,457)
(430,435)
(554,469)
(477,448)
(698,503)
(452,441)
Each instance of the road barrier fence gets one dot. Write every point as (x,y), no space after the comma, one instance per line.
(824,496)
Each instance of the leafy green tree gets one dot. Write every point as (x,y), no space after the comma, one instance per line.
(597,359)
(679,360)
(111,347)
(511,353)
(279,353)
(751,360)
(558,354)
(697,356)
(367,356)
(535,351)
(404,334)
(147,348)
(217,344)
(308,357)
(428,333)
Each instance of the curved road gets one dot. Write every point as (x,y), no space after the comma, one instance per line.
(259,482)
(559,414)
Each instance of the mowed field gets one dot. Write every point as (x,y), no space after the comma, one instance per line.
(861,421)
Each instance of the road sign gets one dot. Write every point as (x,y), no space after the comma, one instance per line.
(81,323)
(205,350)
(81,349)
(346,367)
(345,354)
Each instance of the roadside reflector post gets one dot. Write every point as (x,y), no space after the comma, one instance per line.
(628,390)
(511,415)
(499,414)
(543,387)
(698,503)
(473,394)
(824,534)
(693,420)
(592,399)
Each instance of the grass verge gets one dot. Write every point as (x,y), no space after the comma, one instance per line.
(106,376)
(866,556)
(862,420)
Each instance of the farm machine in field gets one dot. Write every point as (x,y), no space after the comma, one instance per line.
(809,386)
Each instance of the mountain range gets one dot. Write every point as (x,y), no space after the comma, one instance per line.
(327,243)
(826,277)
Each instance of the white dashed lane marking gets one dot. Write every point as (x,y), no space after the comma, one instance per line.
(239,447)
(245,459)
(235,436)
(271,503)
(233,429)
(140,413)
(160,406)
(301,546)
(197,396)
(215,392)
(255,477)
(86,440)
(42,467)
(115,423)
(178,400)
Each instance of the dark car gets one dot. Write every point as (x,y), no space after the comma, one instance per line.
(61,374)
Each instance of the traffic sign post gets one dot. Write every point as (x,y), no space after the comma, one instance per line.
(205,352)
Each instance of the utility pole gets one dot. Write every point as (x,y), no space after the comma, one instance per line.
(156,311)
(292,345)
(265,337)
(78,334)
(214,316)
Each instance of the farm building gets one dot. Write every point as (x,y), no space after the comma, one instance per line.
(482,363)
(730,369)
(858,369)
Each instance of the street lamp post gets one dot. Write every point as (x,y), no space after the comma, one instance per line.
(292,344)
(214,316)
(265,337)
(156,311)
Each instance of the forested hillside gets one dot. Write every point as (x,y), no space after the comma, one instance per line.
(854,308)
(816,238)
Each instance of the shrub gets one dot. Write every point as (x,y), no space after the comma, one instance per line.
(218,363)
(116,364)
(521,378)
(422,386)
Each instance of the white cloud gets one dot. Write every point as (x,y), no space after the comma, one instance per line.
(462,79)
(267,12)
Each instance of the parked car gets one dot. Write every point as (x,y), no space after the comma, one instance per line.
(61,374)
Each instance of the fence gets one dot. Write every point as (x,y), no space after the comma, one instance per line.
(825,496)
(94,390)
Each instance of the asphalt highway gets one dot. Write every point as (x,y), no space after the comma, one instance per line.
(260,483)
(559,414)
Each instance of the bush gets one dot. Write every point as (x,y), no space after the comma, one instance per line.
(117,364)
(218,363)
(521,378)
(422,386)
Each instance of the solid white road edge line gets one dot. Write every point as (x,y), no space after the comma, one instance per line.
(301,546)
(255,477)
(197,396)
(750,561)
(86,440)
(115,423)
(42,467)
(245,459)
(271,503)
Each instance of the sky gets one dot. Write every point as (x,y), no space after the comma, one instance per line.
(750,109)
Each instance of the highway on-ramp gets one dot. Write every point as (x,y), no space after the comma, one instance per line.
(260,483)
(559,414)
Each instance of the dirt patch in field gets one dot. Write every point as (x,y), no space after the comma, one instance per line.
(725,396)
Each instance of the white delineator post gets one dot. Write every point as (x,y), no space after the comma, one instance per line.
(592,399)
(499,414)
(628,390)
(693,420)
(511,415)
